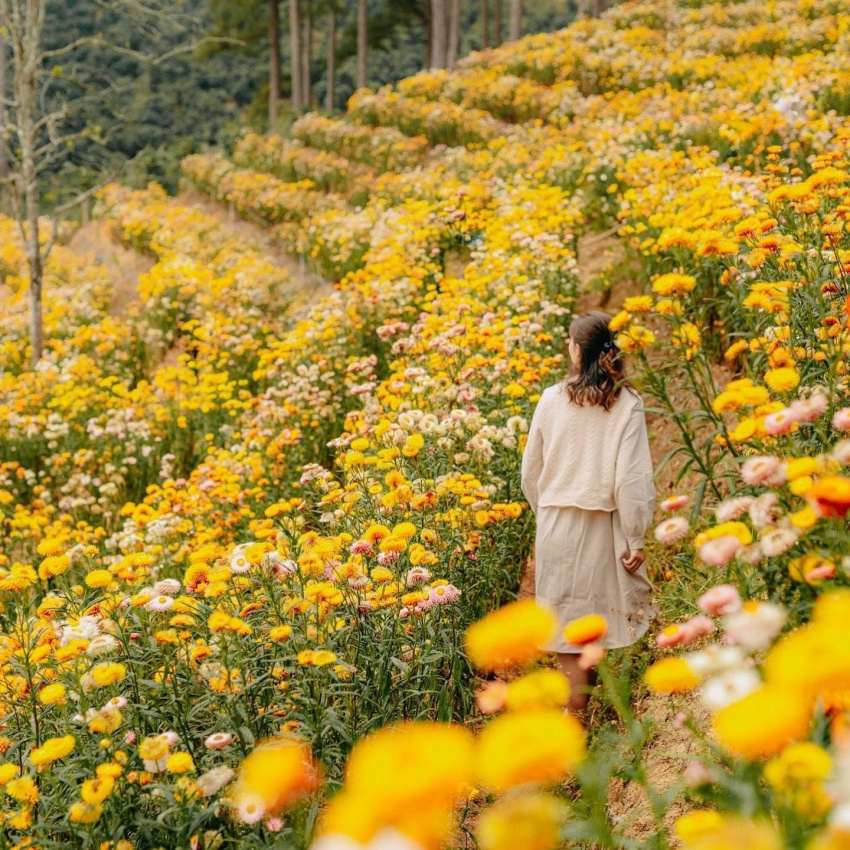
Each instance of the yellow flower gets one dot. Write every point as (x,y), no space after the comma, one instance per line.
(527,821)
(52,694)
(509,636)
(107,674)
(180,762)
(634,304)
(97,790)
(698,824)
(80,812)
(8,772)
(275,773)
(413,445)
(671,676)
(154,747)
(280,633)
(763,722)
(782,380)
(539,689)
(542,745)
(733,833)
(98,578)
(586,630)
(798,776)
(23,790)
(52,750)
(673,284)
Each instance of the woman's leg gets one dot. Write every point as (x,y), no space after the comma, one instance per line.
(579,681)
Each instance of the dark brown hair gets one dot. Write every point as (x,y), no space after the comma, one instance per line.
(600,375)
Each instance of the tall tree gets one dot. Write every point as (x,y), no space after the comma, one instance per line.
(331,72)
(362,38)
(274,59)
(295,53)
(454,33)
(2,100)
(599,6)
(497,23)
(306,70)
(485,23)
(439,33)
(515,30)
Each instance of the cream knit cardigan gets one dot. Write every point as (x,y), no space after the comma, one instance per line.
(591,458)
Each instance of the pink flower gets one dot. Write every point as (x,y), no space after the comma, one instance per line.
(492,697)
(116,702)
(718,553)
(811,408)
(780,422)
(674,503)
(777,541)
(671,530)
(697,774)
(388,557)
(754,628)
(841,419)
(444,594)
(763,510)
(129,738)
(820,573)
(720,600)
(167,587)
(763,470)
(218,740)
(417,575)
(361,547)
(285,568)
(733,508)
(171,737)
(685,634)
(841,451)
(273,824)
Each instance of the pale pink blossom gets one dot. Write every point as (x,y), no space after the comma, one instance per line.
(444,594)
(129,737)
(492,697)
(118,703)
(684,634)
(811,408)
(218,740)
(166,587)
(697,774)
(674,503)
(671,530)
(250,808)
(824,571)
(841,452)
(733,508)
(361,547)
(728,687)
(841,419)
(285,568)
(750,554)
(388,557)
(763,510)
(763,470)
(273,824)
(781,422)
(417,575)
(720,600)
(718,552)
(777,541)
(171,737)
(754,628)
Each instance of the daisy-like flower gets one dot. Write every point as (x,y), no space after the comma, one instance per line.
(671,530)
(763,470)
(763,510)
(101,645)
(841,452)
(674,503)
(250,808)
(718,553)
(777,541)
(160,604)
(841,419)
(444,594)
(733,508)
(238,562)
(755,627)
(715,659)
(218,740)
(720,600)
(211,782)
(728,687)
(166,587)
(781,422)
(116,703)
(811,408)
(361,547)
(417,575)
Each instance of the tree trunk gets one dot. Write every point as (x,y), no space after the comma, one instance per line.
(516,20)
(599,6)
(497,22)
(361,43)
(295,53)
(308,55)
(485,23)
(439,34)
(3,163)
(329,93)
(274,59)
(454,33)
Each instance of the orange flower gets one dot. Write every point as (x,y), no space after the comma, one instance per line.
(586,630)
(830,497)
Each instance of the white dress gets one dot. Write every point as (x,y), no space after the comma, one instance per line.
(587,474)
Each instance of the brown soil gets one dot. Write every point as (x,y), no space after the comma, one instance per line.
(94,240)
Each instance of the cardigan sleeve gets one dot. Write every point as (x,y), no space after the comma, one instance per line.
(532,460)
(634,489)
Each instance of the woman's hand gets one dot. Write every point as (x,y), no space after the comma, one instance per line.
(633,559)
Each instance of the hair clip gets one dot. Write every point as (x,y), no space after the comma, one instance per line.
(607,345)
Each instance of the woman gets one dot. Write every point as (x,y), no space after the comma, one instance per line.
(587,474)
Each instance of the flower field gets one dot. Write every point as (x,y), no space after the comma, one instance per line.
(261,543)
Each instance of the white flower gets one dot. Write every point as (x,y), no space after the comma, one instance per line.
(160,604)
(166,587)
(754,628)
(101,645)
(720,691)
(250,808)
(714,659)
(214,780)
(238,561)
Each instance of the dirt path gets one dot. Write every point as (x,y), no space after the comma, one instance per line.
(262,237)
(124,265)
